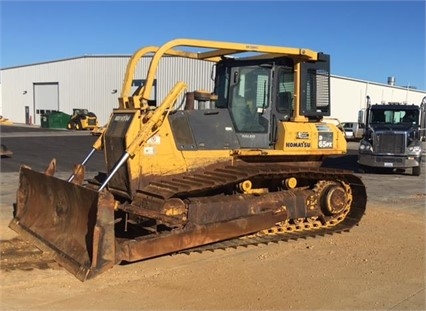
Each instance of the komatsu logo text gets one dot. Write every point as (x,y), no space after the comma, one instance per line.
(298,145)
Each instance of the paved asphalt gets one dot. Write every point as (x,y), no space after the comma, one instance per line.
(36,147)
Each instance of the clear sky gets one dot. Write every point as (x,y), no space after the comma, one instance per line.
(367,40)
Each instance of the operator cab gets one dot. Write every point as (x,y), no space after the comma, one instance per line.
(261,93)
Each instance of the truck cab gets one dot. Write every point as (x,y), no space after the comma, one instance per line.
(392,138)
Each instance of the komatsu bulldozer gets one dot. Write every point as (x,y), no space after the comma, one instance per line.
(236,165)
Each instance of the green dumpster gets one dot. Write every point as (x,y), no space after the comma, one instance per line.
(55,119)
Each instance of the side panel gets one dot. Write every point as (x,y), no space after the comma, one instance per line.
(203,130)
(310,139)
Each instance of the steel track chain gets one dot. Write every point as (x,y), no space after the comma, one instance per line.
(291,230)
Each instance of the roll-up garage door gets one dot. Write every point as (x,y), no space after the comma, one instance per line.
(46,99)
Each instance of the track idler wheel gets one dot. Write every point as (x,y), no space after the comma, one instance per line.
(334,198)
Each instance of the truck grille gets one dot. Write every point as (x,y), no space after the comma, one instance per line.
(390,143)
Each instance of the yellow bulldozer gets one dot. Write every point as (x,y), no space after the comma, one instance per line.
(240,164)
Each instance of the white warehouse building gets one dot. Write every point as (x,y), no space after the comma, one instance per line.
(94,83)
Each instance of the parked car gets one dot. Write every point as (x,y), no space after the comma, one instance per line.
(336,122)
(352,130)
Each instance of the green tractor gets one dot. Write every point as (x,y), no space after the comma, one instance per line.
(82,119)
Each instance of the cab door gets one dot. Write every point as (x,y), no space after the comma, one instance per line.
(249,105)
(283,98)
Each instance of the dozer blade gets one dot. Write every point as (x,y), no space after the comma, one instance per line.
(74,223)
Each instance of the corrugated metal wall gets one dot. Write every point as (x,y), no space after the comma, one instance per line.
(89,82)
(83,83)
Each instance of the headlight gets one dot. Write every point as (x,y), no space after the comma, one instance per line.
(365,146)
(414,149)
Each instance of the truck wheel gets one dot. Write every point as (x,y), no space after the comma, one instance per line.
(417,170)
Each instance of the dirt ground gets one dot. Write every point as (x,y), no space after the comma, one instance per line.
(378,265)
